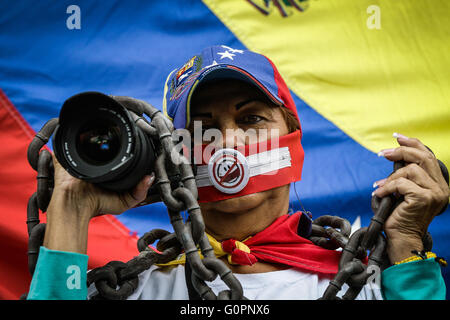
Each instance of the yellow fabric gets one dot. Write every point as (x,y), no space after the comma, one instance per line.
(241,246)
(188,102)
(416,258)
(166,88)
(218,251)
(369,82)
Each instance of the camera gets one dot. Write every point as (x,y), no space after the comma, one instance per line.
(96,140)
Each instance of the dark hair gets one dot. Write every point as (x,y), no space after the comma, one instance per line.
(290,119)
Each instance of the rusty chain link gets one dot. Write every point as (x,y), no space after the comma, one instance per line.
(176,187)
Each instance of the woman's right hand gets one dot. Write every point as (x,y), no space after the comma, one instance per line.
(86,197)
(74,202)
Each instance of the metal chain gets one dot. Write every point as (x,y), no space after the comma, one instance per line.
(41,162)
(177,189)
(333,237)
(191,234)
(352,270)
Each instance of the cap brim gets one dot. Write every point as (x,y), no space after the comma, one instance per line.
(226,72)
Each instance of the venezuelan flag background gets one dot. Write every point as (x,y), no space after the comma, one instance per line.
(354,85)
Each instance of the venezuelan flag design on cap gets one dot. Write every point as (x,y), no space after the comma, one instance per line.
(222,62)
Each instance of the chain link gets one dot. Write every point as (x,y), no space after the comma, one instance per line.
(40,160)
(330,238)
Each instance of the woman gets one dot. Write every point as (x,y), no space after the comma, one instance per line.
(233,92)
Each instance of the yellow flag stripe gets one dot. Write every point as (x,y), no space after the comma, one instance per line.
(369,82)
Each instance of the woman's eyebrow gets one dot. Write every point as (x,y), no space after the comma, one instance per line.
(243,103)
(238,106)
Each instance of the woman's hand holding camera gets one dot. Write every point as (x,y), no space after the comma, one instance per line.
(74,202)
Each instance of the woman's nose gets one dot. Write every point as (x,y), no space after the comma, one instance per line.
(232,138)
(232,135)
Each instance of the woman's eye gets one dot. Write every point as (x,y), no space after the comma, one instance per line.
(252,119)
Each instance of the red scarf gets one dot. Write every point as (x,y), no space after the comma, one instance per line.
(280,243)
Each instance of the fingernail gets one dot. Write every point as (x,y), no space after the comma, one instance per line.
(385,152)
(150,179)
(379,183)
(398,135)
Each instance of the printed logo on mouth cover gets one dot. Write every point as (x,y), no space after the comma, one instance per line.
(228,170)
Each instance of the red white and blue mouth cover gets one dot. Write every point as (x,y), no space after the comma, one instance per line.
(231,173)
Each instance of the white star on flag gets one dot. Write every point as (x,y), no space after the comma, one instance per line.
(226,54)
(233,50)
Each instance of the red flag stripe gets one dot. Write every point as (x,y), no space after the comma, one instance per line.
(109,239)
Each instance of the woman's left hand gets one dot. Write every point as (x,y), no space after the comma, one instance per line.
(425,193)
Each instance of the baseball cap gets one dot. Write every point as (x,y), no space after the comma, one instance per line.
(222,62)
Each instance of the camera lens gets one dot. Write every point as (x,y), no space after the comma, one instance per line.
(98,141)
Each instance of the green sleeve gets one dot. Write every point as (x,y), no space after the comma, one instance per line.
(416,280)
(59,275)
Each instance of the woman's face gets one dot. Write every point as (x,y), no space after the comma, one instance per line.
(232,104)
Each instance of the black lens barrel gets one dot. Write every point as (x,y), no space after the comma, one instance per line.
(97,141)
